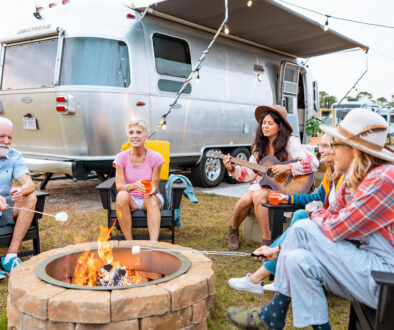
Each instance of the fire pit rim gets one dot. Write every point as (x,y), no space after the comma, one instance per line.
(40,271)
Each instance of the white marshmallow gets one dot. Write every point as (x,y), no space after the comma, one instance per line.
(61,216)
(136,249)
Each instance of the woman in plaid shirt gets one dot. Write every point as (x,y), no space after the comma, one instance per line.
(320,254)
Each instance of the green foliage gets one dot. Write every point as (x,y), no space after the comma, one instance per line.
(326,101)
(364,94)
(312,127)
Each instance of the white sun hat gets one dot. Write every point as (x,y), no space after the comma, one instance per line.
(364,130)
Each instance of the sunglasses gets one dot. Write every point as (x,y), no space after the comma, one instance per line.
(336,144)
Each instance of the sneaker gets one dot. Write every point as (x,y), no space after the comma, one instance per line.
(244,284)
(246,318)
(11,264)
(270,287)
(2,275)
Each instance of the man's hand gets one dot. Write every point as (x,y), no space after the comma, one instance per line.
(16,194)
(3,204)
(266,253)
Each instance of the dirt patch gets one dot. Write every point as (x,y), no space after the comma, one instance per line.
(72,196)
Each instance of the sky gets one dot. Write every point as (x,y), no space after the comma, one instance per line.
(336,73)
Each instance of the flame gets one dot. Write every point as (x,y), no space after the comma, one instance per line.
(88,266)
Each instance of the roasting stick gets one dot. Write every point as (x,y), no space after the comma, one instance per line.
(137,249)
(60,216)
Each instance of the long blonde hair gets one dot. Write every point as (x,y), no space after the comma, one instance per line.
(360,166)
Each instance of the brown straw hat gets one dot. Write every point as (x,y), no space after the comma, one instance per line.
(364,130)
(281,111)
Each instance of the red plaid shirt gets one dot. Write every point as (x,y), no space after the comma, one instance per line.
(368,210)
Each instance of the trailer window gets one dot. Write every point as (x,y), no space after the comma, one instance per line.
(95,61)
(172,56)
(29,65)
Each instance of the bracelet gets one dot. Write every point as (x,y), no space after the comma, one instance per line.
(127,187)
(279,247)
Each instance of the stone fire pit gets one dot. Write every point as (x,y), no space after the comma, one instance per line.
(184,302)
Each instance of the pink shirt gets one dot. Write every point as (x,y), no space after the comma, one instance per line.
(143,172)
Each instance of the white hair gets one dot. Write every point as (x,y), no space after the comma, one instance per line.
(139,122)
(6,121)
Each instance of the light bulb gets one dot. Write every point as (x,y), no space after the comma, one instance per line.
(226,29)
(198,76)
(164,126)
(249,3)
(326,25)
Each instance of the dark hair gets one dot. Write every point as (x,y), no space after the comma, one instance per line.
(261,143)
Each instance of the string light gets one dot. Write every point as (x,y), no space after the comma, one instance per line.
(226,29)
(338,18)
(249,3)
(326,24)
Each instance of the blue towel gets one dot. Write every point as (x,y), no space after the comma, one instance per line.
(188,193)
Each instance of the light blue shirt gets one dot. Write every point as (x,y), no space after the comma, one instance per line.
(11,167)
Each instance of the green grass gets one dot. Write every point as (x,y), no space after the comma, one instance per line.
(205,227)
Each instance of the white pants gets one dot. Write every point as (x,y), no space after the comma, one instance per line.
(309,261)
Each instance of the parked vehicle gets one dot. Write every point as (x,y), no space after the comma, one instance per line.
(350,103)
(388,115)
(73,74)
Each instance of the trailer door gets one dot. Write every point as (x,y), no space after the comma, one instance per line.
(288,92)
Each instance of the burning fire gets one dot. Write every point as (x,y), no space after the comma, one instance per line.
(90,271)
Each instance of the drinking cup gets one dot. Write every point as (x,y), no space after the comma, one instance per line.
(148,186)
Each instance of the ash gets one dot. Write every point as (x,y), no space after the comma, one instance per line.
(105,278)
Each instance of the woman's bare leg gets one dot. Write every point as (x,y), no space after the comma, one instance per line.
(124,206)
(242,208)
(259,197)
(259,275)
(152,206)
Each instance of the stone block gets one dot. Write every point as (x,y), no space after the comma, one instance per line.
(80,306)
(186,290)
(172,320)
(12,314)
(20,284)
(28,322)
(35,300)
(122,325)
(210,304)
(199,311)
(251,229)
(139,302)
(204,270)
(203,325)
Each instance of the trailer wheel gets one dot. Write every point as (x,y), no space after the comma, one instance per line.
(209,172)
(240,153)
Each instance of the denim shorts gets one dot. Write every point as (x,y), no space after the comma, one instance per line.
(7,217)
(139,201)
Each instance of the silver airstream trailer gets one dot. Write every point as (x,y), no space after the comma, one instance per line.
(73,73)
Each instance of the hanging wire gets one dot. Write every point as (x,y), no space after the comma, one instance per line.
(336,17)
(196,68)
(355,84)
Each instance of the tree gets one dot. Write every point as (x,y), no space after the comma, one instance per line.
(382,101)
(363,95)
(326,100)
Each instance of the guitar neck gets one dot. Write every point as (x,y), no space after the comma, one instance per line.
(253,166)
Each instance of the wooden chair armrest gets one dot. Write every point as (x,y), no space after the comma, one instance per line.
(105,190)
(40,202)
(177,191)
(383,278)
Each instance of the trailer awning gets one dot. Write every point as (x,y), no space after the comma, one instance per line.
(266,24)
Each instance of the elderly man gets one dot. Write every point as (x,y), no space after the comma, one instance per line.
(12,167)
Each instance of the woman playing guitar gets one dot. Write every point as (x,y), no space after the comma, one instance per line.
(273,138)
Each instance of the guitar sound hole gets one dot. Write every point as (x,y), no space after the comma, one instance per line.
(269,173)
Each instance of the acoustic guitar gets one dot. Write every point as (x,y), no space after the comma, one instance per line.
(285,183)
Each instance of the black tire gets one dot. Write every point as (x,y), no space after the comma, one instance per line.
(240,153)
(209,172)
